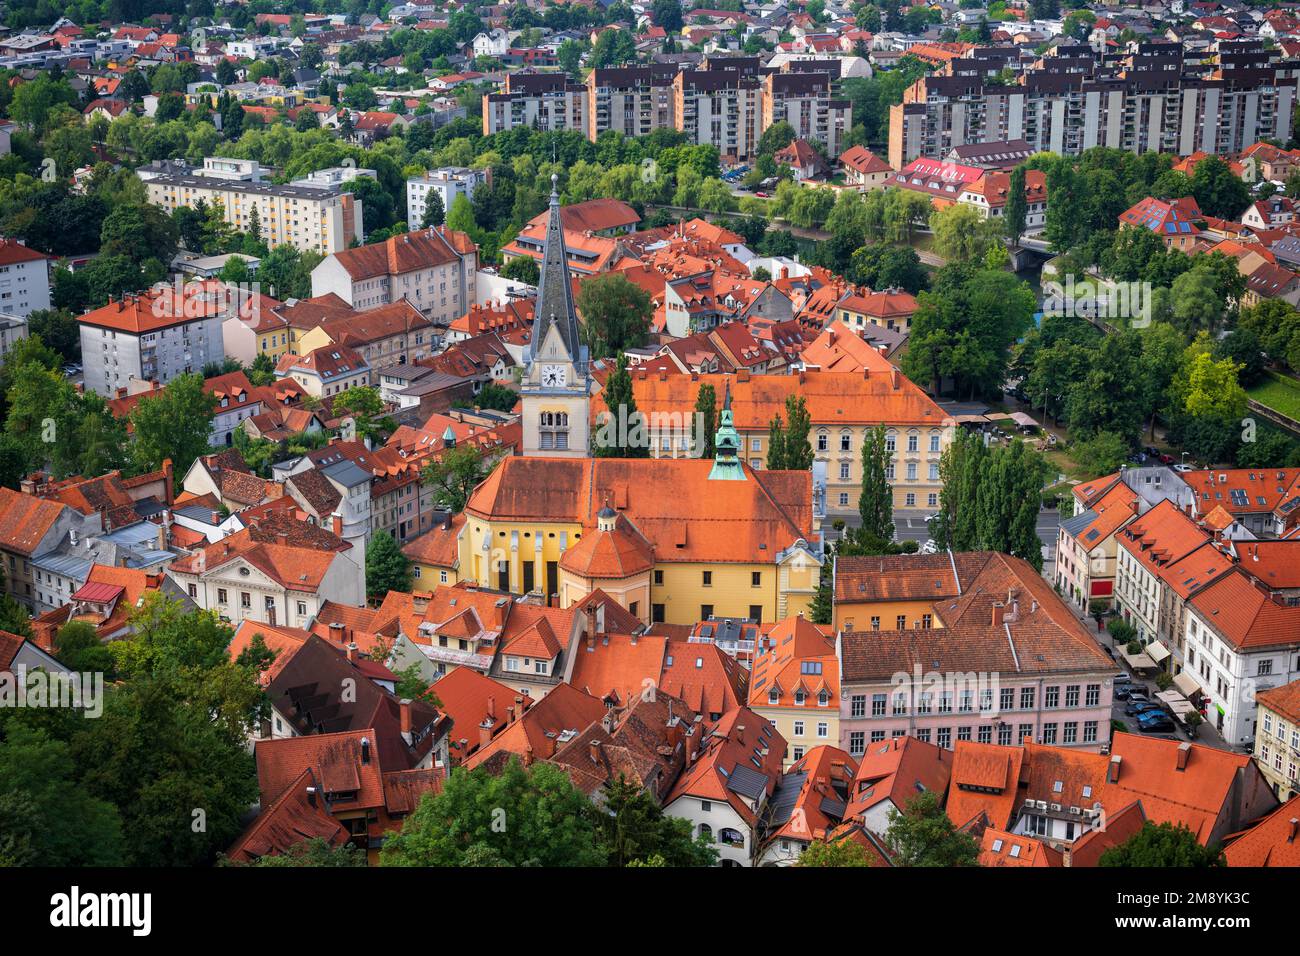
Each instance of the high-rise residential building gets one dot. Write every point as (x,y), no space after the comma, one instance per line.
(542,101)
(1152,97)
(721,108)
(632,100)
(807,101)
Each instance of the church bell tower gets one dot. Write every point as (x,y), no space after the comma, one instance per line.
(556,387)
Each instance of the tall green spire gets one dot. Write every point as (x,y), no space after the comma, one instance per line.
(726,460)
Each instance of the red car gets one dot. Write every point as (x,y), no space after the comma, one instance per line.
(1167,459)
(761,195)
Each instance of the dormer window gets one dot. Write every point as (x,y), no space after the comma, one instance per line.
(800,697)
(773,696)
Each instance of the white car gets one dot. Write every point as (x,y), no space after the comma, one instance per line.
(929,547)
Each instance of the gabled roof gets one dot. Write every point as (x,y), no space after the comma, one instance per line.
(739,764)
(408,252)
(475,702)
(984,780)
(1273,841)
(25,520)
(897,770)
(1002,848)
(536,735)
(802,659)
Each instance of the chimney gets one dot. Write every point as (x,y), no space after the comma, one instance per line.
(1184,751)
(893,379)
(405,708)
(595,751)
(365,751)
(311,797)
(352,652)
(510,714)
(999,613)
(1112,775)
(528,755)
(492,708)
(1292,828)
(485,733)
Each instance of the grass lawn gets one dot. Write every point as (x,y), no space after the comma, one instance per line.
(1065,465)
(1278,392)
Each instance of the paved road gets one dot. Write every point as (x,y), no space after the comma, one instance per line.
(911,526)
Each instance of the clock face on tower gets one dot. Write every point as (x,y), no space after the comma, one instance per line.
(554,376)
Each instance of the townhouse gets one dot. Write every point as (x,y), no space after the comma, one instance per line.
(1277,738)
(809,803)
(796,686)
(726,792)
(31,528)
(277,570)
(1164,558)
(384,336)
(958,647)
(432,269)
(326,371)
(1242,637)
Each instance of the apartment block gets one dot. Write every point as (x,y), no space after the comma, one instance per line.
(447,183)
(807,101)
(311,218)
(1150,99)
(542,101)
(152,336)
(722,108)
(632,100)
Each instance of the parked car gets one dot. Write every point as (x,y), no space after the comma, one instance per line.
(1165,459)
(1183,468)
(929,547)
(1137,707)
(1155,721)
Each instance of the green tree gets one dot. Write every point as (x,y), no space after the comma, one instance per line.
(522,269)
(46,817)
(1017,206)
(621,433)
(497,397)
(798,430)
(615,314)
(776,445)
(77,647)
(706,414)
(876,501)
(454,475)
(841,853)
(1163,845)
(548,821)
(435,214)
(387,569)
(961,234)
(922,835)
(633,828)
(176,424)
(313,852)
(460,217)
(366,407)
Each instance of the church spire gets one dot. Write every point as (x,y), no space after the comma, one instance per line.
(726,460)
(554,289)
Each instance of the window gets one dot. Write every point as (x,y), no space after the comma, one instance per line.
(913,442)
(706,612)
(302,608)
(934,442)
(1093,697)
(1026,698)
(221,595)
(846,443)
(1049,733)
(901,622)
(857,743)
(798,728)
(756,579)
(1072,695)
(875,623)
(823,730)
(656,613)
(756,612)
(823,443)
(245,599)
(194,590)
(1052,697)
(659,577)
(708,579)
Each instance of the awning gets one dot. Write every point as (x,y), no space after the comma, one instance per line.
(1156,651)
(1138,661)
(1186,682)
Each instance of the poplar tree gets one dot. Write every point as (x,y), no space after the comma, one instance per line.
(876,502)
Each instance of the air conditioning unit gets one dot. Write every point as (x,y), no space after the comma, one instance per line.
(1091,813)
(1056,808)
(1075,811)
(1042,805)
(1030,803)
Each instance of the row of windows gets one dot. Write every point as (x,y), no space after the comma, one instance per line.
(926,702)
(943,736)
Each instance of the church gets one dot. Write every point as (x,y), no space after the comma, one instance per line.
(674,541)
(557,384)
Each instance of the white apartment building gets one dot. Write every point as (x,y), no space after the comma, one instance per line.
(153,336)
(24,279)
(447,182)
(311,218)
